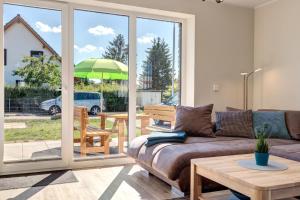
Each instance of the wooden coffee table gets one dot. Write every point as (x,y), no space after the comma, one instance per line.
(258,185)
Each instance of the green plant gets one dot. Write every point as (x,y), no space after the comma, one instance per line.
(262,145)
(39,71)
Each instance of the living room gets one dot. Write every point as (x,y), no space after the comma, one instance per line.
(149,99)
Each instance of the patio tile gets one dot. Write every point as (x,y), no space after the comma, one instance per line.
(12,151)
(34,150)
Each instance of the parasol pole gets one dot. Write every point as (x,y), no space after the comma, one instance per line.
(101,100)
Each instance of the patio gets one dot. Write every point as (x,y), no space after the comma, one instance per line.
(35,150)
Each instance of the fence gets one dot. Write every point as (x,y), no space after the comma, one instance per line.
(24,105)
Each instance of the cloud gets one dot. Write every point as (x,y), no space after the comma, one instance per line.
(101,30)
(88,48)
(46,28)
(146,39)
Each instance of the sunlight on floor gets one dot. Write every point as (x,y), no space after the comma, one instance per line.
(129,182)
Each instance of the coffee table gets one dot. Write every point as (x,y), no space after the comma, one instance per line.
(258,185)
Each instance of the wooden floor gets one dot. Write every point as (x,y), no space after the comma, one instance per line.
(120,183)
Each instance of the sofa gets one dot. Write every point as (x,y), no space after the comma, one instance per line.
(171,161)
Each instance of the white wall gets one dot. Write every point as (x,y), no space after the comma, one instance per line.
(224,47)
(277,51)
(19,42)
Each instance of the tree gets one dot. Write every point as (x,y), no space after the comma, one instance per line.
(157,68)
(117,50)
(37,72)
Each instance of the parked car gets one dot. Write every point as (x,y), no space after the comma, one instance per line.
(91,100)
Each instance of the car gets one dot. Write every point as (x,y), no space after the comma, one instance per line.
(90,100)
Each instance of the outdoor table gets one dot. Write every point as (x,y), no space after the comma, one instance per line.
(121,121)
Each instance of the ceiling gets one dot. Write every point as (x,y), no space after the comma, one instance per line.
(247,3)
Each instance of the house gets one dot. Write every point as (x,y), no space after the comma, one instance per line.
(17,46)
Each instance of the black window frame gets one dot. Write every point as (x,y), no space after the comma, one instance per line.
(5,57)
(36,54)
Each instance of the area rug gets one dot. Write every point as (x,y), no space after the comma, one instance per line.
(37,180)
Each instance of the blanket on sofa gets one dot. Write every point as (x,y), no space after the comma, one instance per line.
(164,137)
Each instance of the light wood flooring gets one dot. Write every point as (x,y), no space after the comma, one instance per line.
(129,182)
(120,183)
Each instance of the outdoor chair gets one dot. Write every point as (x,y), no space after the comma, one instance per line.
(89,133)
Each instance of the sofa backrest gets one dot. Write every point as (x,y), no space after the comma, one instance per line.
(292,119)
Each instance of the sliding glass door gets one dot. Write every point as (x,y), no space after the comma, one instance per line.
(100,83)
(76,80)
(158,73)
(32,83)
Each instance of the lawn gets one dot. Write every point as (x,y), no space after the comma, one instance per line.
(43,130)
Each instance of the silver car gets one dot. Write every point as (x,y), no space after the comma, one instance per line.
(91,100)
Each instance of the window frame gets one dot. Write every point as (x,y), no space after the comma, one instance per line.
(5,57)
(36,54)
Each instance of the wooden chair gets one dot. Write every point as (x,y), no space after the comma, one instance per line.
(88,133)
(161,113)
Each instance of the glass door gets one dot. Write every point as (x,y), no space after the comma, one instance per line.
(158,74)
(100,84)
(34,100)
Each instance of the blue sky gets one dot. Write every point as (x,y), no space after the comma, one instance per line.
(93,31)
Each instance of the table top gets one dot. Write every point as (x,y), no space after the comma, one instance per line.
(226,168)
(122,115)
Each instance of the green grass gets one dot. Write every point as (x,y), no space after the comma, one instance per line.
(37,130)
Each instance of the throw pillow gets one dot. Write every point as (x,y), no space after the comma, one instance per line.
(276,121)
(234,124)
(292,120)
(195,121)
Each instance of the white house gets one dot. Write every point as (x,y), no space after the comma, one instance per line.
(21,40)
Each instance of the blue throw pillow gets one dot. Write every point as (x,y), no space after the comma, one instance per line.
(275,120)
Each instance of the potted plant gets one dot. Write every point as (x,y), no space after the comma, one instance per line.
(262,146)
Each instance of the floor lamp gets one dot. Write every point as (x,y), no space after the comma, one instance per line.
(245,89)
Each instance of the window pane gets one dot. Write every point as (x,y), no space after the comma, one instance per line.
(158,73)
(101,71)
(32,41)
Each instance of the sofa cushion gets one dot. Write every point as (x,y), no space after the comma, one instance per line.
(136,145)
(293,123)
(170,160)
(276,120)
(291,152)
(147,154)
(235,124)
(292,119)
(195,121)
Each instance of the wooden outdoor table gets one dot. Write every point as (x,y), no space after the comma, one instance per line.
(121,121)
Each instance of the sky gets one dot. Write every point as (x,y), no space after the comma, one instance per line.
(93,31)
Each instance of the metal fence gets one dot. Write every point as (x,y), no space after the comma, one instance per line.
(24,105)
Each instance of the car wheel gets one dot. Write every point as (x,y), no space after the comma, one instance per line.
(53,110)
(95,110)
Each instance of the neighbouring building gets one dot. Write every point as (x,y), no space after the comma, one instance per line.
(21,40)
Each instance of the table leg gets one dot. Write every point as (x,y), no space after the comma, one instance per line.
(262,195)
(102,122)
(196,184)
(121,135)
(144,124)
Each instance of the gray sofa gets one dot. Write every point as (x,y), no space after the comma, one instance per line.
(171,161)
